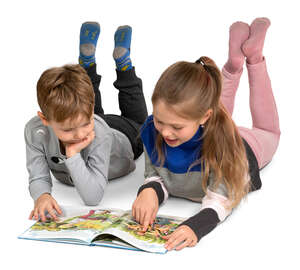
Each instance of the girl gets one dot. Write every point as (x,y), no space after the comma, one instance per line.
(192,147)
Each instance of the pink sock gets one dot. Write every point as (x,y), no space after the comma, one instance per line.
(253,47)
(238,33)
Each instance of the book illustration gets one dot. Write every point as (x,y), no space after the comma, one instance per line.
(160,227)
(115,228)
(92,221)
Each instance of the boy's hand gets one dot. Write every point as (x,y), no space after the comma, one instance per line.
(74,148)
(45,203)
(182,237)
(145,207)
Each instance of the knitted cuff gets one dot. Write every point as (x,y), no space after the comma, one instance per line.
(158,189)
(203,222)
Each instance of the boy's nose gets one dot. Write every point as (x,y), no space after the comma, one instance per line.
(79,135)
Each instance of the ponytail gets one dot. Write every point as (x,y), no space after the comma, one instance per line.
(224,154)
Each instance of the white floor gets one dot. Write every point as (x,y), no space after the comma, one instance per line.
(263,232)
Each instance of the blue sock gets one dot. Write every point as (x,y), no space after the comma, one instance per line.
(89,33)
(121,52)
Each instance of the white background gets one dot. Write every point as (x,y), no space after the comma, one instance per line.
(262,232)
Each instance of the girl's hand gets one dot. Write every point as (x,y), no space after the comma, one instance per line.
(45,203)
(182,237)
(74,148)
(145,207)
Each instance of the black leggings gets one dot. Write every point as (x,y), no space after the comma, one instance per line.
(131,103)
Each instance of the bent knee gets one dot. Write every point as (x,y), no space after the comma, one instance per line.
(263,143)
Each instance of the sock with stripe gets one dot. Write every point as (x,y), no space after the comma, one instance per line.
(121,52)
(89,34)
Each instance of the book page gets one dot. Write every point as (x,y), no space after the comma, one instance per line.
(127,229)
(81,228)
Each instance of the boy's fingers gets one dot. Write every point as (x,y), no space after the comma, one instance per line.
(35,214)
(56,207)
(42,215)
(51,212)
(31,214)
(89,138)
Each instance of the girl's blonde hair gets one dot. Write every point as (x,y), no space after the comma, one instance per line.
(195,88)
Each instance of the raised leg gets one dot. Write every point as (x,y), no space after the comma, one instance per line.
(89,34)
(232,70)
(131,98)
(265,133)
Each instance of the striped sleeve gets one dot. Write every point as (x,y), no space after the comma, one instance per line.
(217,202)
(157,184)
(153,180)
(215,208)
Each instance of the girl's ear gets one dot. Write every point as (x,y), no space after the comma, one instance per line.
(43,118)
(206,116)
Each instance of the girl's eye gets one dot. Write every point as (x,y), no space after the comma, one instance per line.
(177,128)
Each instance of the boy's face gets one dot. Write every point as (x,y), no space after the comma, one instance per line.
(70,132)
(174,129)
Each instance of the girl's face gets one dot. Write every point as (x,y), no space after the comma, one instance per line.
(174,129)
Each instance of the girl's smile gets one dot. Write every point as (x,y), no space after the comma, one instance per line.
(171,141)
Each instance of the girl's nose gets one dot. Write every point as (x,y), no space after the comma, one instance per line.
(165,132)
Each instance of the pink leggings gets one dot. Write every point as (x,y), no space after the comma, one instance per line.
(264,135)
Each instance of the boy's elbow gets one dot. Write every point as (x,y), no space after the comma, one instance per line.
(92,201)
(94,198)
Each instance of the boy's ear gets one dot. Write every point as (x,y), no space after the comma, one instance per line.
(43,118)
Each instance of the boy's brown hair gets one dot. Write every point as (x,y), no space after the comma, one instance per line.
(65,93)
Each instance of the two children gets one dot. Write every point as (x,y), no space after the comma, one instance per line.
(72,137)
(192,147)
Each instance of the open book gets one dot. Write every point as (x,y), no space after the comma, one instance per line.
(104,227)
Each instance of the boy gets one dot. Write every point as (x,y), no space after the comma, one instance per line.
(79,147)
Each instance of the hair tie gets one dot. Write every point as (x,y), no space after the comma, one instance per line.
(201,62)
